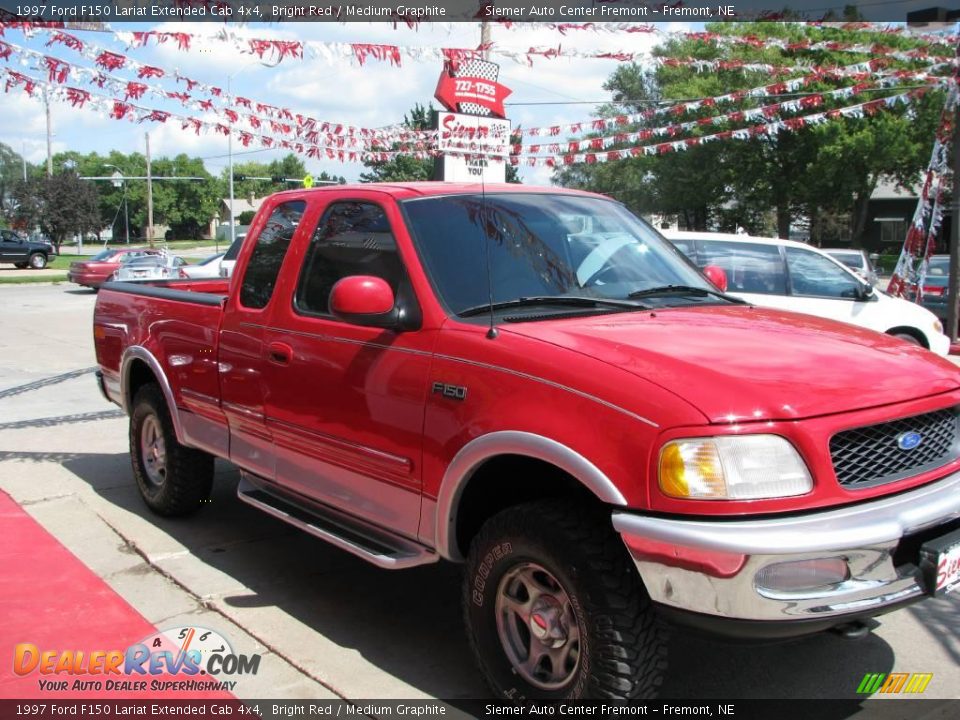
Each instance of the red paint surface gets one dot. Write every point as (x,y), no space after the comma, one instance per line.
(51,599)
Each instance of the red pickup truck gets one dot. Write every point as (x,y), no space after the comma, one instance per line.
(534,382)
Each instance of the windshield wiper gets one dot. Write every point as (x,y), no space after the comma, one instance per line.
(662,290)
(568,301)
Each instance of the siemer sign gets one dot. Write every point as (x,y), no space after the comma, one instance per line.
(474,136)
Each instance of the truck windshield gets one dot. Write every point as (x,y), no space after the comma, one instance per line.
(543,245)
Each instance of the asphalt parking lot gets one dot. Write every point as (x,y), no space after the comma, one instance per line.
(327,624)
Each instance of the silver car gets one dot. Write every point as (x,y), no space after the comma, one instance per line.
(856,260)
(151,267)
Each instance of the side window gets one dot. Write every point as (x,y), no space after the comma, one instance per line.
(815,275)
(267,257)
(750,268)
(352,238)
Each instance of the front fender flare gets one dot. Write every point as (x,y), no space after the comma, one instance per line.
(509,442)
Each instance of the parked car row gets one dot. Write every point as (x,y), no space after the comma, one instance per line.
(22,253)
(788,275)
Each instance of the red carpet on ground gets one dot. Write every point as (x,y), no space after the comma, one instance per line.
(49,599)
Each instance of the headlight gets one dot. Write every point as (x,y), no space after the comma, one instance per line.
(937,326)
(739,467)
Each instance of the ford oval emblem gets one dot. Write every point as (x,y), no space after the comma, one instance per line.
(909,440)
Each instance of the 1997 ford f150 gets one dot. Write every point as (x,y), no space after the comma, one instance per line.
(532,381)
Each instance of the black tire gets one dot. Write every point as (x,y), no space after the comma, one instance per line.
(37,261)
(20,266)
(187,476)
(622,645)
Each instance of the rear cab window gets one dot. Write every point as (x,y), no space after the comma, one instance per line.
(266,259)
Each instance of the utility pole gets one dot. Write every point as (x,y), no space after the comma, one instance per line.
(485,38)
(46,105)
(149,195)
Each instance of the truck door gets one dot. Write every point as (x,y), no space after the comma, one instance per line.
(12,248)
(346,403)
(242,349)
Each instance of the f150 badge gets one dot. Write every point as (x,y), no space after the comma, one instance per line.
(454,392)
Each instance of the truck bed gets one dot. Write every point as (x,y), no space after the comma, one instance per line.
(174,324)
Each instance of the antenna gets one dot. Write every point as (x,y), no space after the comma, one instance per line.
(492,331)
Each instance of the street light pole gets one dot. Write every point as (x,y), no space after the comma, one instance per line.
(149,195)
(119,179)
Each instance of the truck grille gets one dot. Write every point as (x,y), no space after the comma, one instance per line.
(872,455)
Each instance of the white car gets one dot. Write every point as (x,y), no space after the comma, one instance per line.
(206,268)
(789,275)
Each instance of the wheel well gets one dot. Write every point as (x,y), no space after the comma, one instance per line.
(508,480)
(912,332)
(138,375)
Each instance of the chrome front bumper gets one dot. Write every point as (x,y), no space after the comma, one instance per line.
(711,567)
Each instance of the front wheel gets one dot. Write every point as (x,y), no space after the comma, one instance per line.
(38,261)
(555,609)
(172,478)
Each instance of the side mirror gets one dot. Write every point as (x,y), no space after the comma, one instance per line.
(364,300)
(717,275)
(865,292)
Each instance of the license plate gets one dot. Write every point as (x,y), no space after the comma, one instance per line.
(139,274)
(940,560)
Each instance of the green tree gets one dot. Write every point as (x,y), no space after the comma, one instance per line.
(61,205)
(186,206)
(11,171)
(766,182)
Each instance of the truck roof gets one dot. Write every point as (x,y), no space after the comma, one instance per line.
(408,190)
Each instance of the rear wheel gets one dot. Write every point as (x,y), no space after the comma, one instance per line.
(555,609)
(38,261)
(172,478)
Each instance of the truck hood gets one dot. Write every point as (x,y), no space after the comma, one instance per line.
(743,363)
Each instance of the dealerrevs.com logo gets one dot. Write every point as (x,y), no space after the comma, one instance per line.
(184,659)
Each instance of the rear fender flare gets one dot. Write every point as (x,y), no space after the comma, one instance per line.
(138,352)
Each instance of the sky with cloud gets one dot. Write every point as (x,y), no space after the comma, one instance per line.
(372,95)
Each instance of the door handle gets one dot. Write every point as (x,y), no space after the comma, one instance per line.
(279,353)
